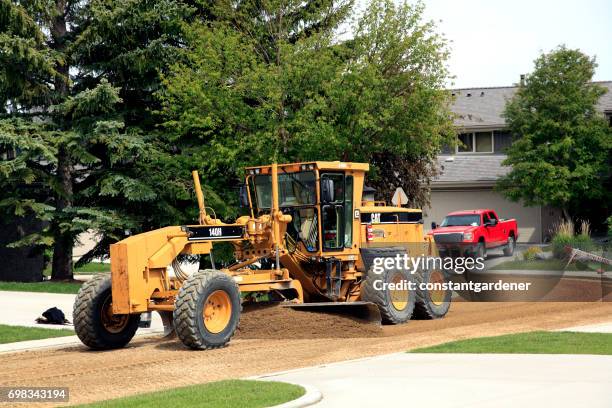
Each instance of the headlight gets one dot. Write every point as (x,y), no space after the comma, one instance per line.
(468,236)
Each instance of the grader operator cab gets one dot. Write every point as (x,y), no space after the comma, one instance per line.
(309,240)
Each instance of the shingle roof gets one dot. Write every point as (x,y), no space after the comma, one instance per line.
(483,107)
(470,168)
(477,107)
(605,102)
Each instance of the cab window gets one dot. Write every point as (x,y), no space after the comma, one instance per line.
(348,212)
(485,218)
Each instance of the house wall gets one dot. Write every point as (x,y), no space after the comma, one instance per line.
(550,217)
(528,218)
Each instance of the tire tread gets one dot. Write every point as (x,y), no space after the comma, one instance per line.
(186,304)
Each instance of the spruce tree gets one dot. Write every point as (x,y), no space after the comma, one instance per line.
(76,92)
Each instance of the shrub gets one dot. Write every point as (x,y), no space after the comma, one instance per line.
(559,242)
(531,253)
(583,242)
(563,228)
(585,228)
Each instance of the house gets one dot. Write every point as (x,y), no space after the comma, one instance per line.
(469,173)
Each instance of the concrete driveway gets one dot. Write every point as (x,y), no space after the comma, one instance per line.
(22,309)
(461,380)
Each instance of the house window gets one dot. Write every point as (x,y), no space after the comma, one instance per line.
(609,117)
(466,143)
(475,142)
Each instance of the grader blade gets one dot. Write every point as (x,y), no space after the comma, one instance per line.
(168,323)
(365,311)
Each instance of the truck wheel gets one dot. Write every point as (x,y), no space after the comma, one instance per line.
(94,321)
(509,249)
(207,310)
(396,306)
(481,251)
(431,303)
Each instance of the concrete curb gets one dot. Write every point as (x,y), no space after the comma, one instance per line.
(589,328)
(311,397)
(52,343)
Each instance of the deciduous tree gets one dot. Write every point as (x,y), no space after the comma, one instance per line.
(562,149)
(268,81)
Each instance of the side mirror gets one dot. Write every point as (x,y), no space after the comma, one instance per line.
(327,190)
(244,196)
(434,225)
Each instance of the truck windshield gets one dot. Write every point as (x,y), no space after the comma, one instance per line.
(461,220)
(294,189)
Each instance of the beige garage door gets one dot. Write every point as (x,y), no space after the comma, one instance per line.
(443,202)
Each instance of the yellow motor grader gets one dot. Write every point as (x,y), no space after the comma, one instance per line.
(310,240)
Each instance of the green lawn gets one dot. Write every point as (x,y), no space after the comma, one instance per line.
(49,287)
(11,334)
(92,267)
(545,265)
(539,342)
(221,394)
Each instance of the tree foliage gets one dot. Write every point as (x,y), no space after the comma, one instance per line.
(106,105)
(561,153)
(256,86)
(77,91)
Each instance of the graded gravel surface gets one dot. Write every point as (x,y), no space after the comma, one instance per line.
(273,339)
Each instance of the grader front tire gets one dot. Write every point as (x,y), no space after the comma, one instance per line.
(207,310)
(396,306)
(94,323)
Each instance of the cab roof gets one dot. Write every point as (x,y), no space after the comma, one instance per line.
(321,165)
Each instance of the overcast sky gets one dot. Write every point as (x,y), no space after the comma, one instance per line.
(494,41)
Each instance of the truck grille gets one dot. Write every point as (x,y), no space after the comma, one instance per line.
(451,237)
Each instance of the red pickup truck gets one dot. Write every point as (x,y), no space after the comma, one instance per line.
(472,232)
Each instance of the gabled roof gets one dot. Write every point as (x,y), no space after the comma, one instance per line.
(483,107)
(605,102)
(461,169)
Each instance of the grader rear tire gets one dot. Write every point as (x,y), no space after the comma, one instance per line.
(94,323)
(431,304)
(207,310)
(396,306)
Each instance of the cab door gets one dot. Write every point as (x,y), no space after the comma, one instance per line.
(489,234)
(497,234)
(336,210)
